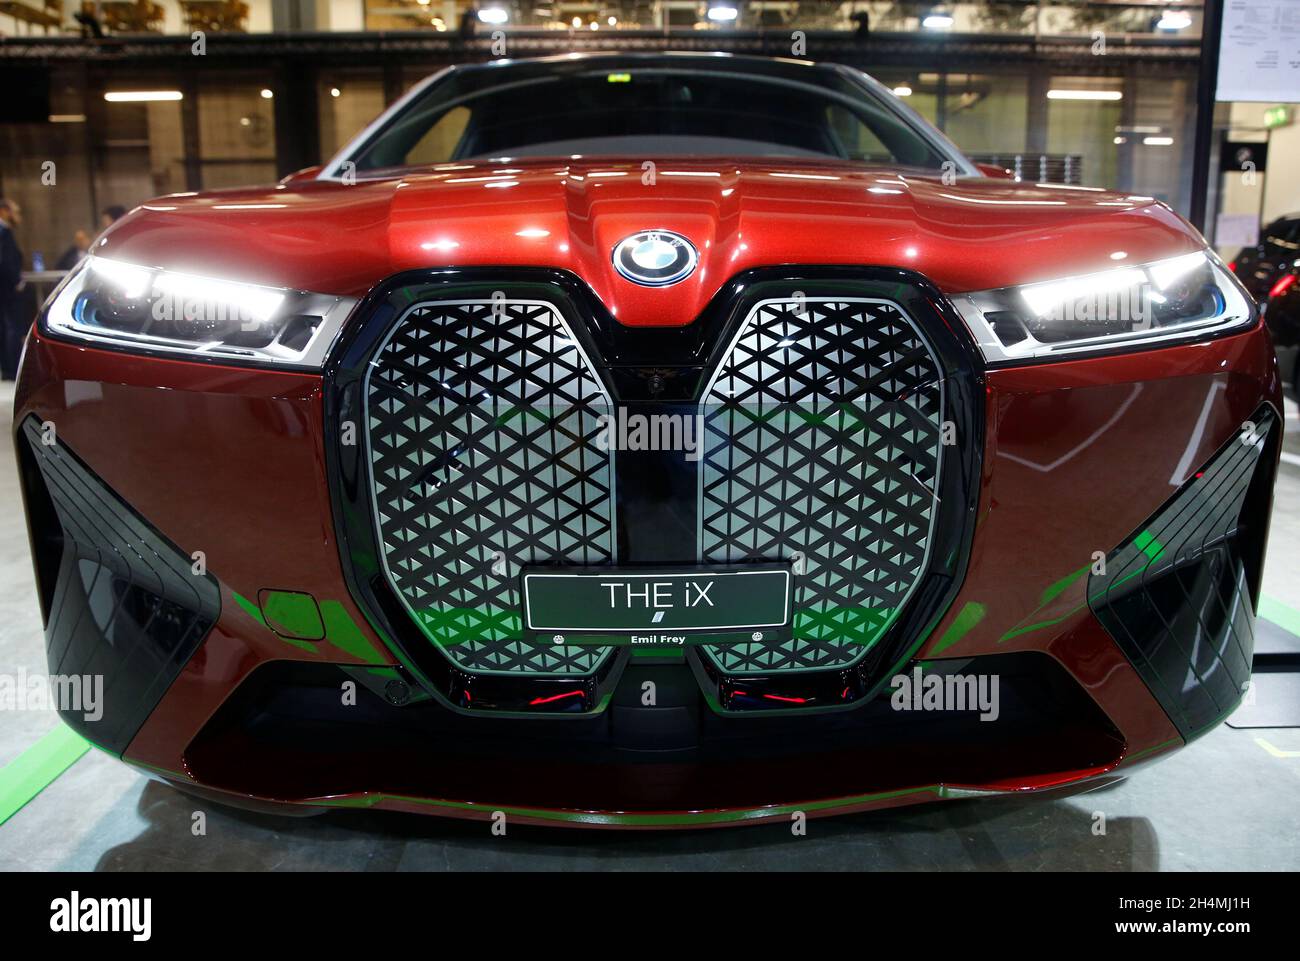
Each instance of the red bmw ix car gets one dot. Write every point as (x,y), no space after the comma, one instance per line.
(648,441)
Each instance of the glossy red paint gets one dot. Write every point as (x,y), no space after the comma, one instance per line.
(1077,455)
(230,461)
(268,487)
(1110,438)
(254,504)
(326,236)
(996,171)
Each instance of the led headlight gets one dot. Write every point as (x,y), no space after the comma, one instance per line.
(111,303)
(1176,299)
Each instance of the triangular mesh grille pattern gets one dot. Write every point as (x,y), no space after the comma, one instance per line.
(482,421)
(822,442)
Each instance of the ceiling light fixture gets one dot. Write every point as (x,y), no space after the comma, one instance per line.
(1173,20)
(1085,95)
(141,96)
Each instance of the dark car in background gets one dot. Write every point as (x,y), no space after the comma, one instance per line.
(1260,267)
(1282,314)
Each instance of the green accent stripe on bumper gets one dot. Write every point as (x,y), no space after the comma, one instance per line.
(962,624)
(36,768)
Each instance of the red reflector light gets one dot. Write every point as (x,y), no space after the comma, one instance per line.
(1282,286)
(554,697)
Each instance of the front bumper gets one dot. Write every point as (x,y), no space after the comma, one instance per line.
(235,465)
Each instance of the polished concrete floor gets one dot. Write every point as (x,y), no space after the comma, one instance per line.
(1227,802)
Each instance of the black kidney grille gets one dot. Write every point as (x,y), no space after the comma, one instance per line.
(823,434)
(482,421)
(822,426)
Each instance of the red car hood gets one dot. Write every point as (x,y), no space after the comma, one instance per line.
(336,238)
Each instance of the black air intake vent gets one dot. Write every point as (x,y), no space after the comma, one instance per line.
(121,601)
(1179,596)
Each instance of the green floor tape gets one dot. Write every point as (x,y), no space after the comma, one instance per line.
(1280,614)
(36,768)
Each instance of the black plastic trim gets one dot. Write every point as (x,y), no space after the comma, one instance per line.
(1180,594)
(121,602)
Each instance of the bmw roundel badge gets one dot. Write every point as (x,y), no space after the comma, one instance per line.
(655,258)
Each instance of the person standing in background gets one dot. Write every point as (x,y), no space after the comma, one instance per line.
(111,215)
(13,327)
(72,256)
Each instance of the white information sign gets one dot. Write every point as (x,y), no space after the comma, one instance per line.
(1236,230)
(1259,57)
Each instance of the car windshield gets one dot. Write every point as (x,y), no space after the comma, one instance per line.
(610,107)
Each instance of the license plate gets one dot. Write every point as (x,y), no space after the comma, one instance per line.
(707,599)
